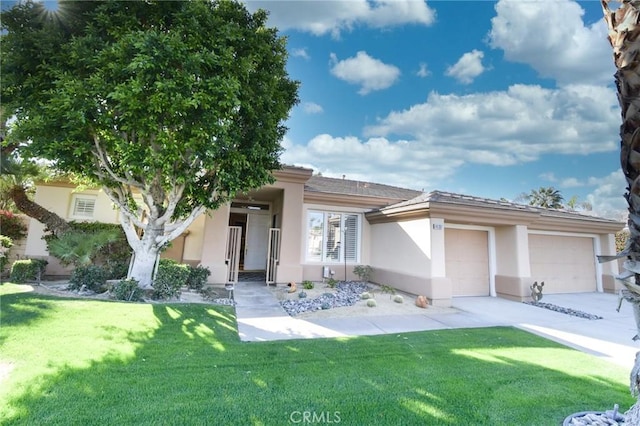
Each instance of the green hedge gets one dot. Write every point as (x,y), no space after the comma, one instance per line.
(93,277)
(197,277)
(127,290)
(27,270)
(170,278)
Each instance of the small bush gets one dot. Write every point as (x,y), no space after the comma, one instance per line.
(366,295)
(127,290)
(332,282)
(27,270)
(363,272)
(197,277)
(387,289)
(93,277)
(170,278)
(371,303)
(398,299)
(12,226)
(302,294)
(116,269)
(307,285)
(5,244)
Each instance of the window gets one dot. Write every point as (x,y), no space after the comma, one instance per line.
(333,237)
(83,206)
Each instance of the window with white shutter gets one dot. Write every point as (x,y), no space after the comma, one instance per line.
(333,237)
(83,207)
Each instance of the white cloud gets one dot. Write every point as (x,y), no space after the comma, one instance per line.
(607,199)
(370,73)
(320,17)
(553,39)
(373,160)
(300,53)
(511,127)
(468,67)
(312,108)
(549,176)
(423,71)
(571,183)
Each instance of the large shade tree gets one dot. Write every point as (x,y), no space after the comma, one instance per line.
(170,107)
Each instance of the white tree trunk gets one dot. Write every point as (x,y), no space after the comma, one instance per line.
(143,266)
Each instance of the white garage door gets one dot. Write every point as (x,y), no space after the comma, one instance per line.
(565,264)
(467,261)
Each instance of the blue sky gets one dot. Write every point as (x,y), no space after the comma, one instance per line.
(484,98)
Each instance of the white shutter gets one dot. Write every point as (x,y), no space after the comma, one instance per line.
(351,237)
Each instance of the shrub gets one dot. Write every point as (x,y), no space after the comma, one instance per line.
(197,277)
(332,282)
(5,245)
(93,277)
(302,294)
(170,278)
(398,299)
(27,270)
(12,226)
(365,295)
(371,303)
(307,285)
(387,289)
(80,247)
(127,290)
(115,253)
(363,272)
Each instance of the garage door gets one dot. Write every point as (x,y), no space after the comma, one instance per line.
(565,264)
(467,261)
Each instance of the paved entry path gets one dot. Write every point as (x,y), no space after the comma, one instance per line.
(261,318)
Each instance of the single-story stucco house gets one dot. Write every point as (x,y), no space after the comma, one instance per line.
(437,244)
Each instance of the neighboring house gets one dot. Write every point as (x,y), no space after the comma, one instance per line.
(437,244)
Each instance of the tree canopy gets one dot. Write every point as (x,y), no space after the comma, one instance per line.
(181,102)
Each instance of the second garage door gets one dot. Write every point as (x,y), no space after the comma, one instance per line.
(565,264)
(467,261)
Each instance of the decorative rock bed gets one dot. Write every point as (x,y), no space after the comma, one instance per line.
(562,310)
(596,418)
(346,294)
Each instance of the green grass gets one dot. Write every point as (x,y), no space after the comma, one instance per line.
(81,362)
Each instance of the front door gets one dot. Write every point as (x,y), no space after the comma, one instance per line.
(257,242)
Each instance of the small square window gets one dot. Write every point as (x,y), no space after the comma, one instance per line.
(83,207)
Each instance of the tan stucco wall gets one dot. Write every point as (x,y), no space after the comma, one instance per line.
(193,242)
(403,247)
(410,256)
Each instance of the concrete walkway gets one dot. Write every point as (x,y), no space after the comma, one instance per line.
(261,318)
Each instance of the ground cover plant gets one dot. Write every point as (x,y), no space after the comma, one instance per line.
(72,361)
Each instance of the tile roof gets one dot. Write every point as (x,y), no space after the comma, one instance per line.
(469,200)
(354,187)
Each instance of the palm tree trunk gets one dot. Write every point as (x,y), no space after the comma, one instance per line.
(624,30)
(52,221)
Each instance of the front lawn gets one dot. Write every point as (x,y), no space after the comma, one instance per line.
(69,361)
